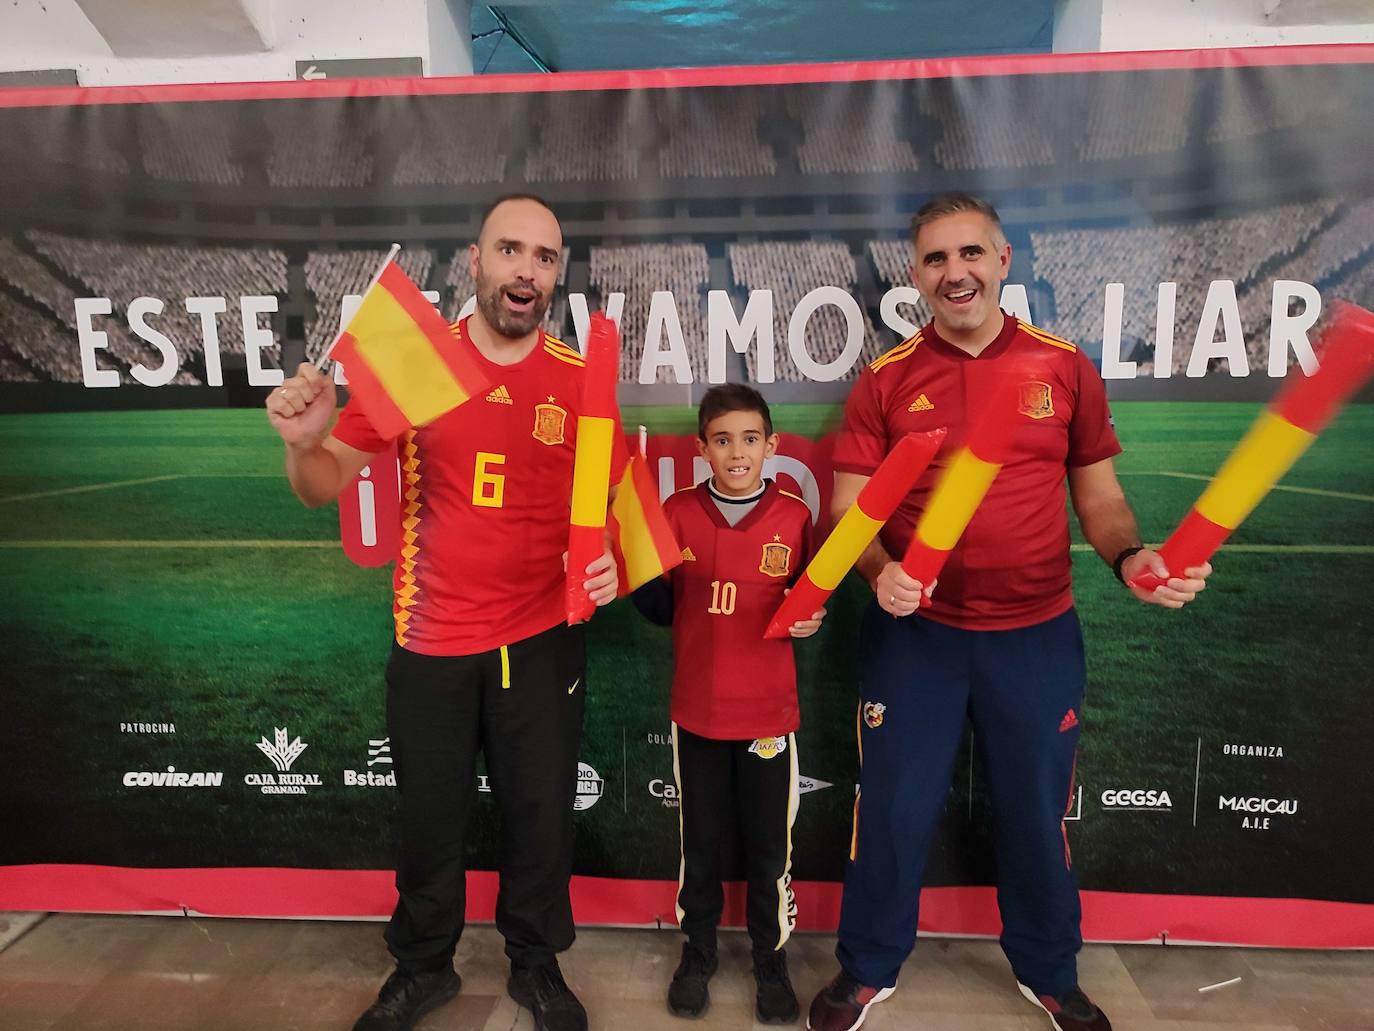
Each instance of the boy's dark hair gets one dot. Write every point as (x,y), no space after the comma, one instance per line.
(732,397)
(486,213)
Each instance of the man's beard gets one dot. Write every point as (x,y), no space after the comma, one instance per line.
(514,325)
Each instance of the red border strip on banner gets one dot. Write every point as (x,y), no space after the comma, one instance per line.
(361,894)
(669,78)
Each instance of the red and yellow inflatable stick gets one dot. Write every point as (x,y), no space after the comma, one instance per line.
(965,483)
(1277,439)
(592,464)
(879,498)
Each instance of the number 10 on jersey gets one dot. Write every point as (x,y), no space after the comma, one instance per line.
(722,598)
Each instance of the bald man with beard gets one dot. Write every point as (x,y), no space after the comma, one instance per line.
(483,659)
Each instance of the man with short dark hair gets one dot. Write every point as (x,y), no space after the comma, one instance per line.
(996,640)
(482,659)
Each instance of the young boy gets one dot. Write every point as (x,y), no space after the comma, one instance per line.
(734,696)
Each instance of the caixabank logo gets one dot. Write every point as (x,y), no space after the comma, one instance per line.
(283,752)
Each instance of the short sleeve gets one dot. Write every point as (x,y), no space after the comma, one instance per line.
(862,443)
(354,430)
(1092,436)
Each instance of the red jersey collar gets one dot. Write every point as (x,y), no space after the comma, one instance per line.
(713,512)
(499,370)
(945,349)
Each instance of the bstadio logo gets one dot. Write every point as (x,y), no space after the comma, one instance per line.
(378,754)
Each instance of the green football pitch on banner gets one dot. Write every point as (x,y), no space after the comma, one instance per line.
(156,568)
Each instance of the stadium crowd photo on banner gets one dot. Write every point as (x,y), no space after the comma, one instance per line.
(662,515)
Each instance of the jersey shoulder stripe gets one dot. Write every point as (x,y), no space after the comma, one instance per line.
(566,356)
(558,345)
(789,494)
(903,350)
(1045,338)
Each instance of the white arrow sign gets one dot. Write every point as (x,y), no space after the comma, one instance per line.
(313,73)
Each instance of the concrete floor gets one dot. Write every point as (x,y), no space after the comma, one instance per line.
(121,973)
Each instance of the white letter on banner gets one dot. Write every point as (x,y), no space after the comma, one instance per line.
(1014,301)
(1287,331)
(89,340)
(892,319)
(613,305)
(255,338)
(663,318)
(207,308)
(1220,304)
(721,325)
(348,307)
(139,309)
(796,468)
(854,337)
(1112,365)
(1164,330)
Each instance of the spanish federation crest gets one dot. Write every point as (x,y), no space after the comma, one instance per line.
(1037,400)
(873,714)
(767,747)
(777,558)
(548,422)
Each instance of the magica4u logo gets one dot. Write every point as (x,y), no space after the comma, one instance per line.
(283,753)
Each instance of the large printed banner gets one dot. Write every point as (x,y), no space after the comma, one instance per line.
(193,661)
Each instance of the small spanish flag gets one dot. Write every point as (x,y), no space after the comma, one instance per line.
(641,539)
(404,365)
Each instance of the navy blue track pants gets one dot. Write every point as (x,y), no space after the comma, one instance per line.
(1023,691)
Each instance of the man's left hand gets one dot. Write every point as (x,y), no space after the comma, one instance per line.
(603,581)
(1177,591)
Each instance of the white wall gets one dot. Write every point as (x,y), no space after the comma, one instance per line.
(57,34)
(1189,24)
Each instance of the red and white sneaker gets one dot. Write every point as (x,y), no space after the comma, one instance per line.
(1072,1011)
(843,1004)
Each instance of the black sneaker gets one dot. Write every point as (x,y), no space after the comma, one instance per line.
(776,1002)
(405,998)
(1072,1011)
(543,992)
(688,995)
(843,1004)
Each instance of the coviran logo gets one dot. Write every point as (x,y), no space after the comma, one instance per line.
(171,779)
(283,754)
(1137,800)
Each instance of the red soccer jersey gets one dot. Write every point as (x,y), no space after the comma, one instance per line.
(728,682)
(485,506)
(1011,568)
